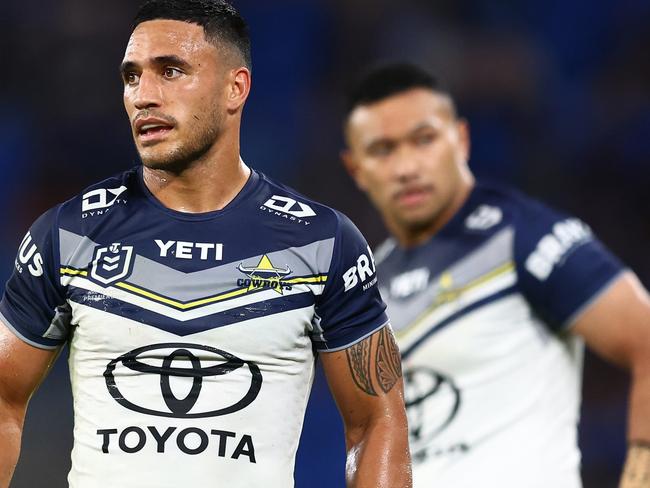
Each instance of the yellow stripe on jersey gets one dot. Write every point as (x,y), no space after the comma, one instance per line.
(196,303)
(448,294)
(73,272)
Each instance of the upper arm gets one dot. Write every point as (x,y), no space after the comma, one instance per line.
(561,266)
(34,316)
(617,324)
(366,380)
(22,367)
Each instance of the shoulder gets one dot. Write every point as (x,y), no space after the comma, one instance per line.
(98,199)
(295,211)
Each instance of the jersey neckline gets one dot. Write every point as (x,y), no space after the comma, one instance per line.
(454,224)
(248,189)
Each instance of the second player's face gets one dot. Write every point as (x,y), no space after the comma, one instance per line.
(409,154)
(174,84)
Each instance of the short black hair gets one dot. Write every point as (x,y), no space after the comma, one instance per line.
(383,81)
(220,20)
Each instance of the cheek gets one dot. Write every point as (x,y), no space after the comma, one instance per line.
(440,161)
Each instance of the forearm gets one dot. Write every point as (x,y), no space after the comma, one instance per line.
(11,426)
(378,457)
(636,473)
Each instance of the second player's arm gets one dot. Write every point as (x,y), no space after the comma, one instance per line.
(366,381)
(22,367)
(617,327)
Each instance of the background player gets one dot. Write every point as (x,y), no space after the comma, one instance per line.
(193,291)
(490,294)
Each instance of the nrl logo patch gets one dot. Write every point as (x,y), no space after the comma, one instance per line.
(111,264)
(264,275)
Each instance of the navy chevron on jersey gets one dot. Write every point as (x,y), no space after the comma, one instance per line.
(481,312)
(192,336)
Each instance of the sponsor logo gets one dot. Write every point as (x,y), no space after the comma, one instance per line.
(484,217)
(190,250)
(409,283)
(361,272)
(432,403)
(191,441)
(29,257)
(264,275)
(289,209)
(99,202)
(555,247)
(111,264)
(194,368)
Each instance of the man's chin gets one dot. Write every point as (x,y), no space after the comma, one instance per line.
(163,163)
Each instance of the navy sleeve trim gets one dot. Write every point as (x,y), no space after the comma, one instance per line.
(570,322)
(384,322)
(26,340)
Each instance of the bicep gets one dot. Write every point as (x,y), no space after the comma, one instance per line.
(366,378)
(22,368)
(617,324)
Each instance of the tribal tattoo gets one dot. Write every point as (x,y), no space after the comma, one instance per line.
(380,353)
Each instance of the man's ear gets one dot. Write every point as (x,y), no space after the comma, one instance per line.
(465,139)
(239,87)
(352,167)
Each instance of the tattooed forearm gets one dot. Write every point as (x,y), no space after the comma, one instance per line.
(378,352)
(388,364)
(359,362)
(636,473)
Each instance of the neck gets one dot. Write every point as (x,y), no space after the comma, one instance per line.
(207,184)
(408,237)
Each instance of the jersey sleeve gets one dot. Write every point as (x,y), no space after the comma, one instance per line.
(350,308)
(562,267)
(34,305)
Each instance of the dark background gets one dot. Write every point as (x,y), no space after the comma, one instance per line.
(557,94)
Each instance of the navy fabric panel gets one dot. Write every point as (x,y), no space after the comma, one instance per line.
(163,322)
(244,226)
(350,306)
(33,293)
(566,271)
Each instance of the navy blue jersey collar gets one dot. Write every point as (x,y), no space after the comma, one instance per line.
(249,189)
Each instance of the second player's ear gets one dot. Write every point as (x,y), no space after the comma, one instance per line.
(352,167)
(465,138)
(239,87)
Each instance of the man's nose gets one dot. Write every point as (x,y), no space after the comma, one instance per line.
(148,93)
(405,165)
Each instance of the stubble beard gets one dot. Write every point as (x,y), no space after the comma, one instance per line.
(187,153)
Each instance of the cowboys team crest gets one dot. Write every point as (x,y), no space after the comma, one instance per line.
(264,275)
(111,264)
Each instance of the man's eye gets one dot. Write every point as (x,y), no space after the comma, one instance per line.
(172,73)
(424,139)
(131,78)
(380,150)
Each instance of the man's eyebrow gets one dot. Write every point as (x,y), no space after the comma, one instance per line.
(170,59)
(414,130)
(127,66)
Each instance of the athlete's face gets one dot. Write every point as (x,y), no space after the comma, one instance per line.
(409,153)
(176,90)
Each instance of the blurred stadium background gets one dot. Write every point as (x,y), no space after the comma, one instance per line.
(557,94)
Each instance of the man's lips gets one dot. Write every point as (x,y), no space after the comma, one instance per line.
(152,129)
(413,196)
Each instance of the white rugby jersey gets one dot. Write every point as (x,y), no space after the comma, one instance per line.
(481,312)
(192,336)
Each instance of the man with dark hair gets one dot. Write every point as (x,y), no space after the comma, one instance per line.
(193,292)
(491,295)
